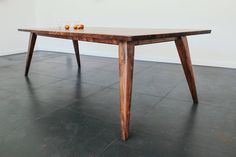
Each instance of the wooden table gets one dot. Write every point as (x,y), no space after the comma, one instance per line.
(126,39)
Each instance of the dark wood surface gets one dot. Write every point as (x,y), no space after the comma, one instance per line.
(31,45)
(184,54)
(127,39)
(126,65)
(76,48)
(112,35)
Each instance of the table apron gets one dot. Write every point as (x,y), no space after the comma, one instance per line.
(153,41)
(81,38)
(108,41)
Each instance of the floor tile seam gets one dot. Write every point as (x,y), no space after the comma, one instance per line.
(46,84)
(142,93)
(175,86)
(57,106)
(140,71)
(101,68)
(6,58)
(93,103)
(60,80)
(123,143)
(112,123)
(144,133)
(160,134)
(48,75)
(89,115)
(199,146)
(4,98)
(85,81)
(58,63)
(42,60)
(16,54)
(46,103)
(22,76)
(53,65)
(97,84)
(10,67)
(93,138)
(35,119)
(109,86)
(74,63)
(203,147)
(76,100)
(163,98)
(107,147)
(25,88)
(151,109)
(4,89)
(95,69)
(38,59)
(200,102)
(39,101)
(72,54)
(137,93)
(15,63)
(7,66)
(48,114)
(147,135)
(43,53)
(12,62)
(22,60)
(102,89)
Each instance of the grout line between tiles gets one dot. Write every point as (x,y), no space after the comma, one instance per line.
(107,147)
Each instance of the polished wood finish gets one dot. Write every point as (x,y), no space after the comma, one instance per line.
(112,35)
(126,63)
(184,54)
(32,41)
(154,41)
(76,48)
(78,37)
(126,39)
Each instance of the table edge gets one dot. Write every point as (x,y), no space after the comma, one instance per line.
(116,37)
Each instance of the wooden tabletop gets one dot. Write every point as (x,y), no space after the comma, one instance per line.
(125,34)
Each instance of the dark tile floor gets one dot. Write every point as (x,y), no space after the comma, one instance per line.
(60,112)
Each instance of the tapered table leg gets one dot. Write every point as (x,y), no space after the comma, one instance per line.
(126,63)
(76,48)
(184,54)
(32,41)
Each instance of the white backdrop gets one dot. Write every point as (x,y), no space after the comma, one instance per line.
(13,15)
(217,49)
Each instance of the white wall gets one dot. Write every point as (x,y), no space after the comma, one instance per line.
(15,14)
(217,49)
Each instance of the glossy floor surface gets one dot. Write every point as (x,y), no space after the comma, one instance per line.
(59,111)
